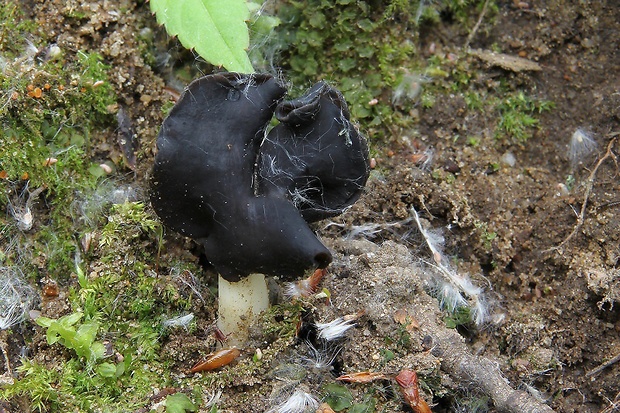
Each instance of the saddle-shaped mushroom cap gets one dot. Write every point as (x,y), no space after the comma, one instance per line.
(205,180)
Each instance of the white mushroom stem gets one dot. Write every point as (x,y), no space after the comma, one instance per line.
(240,304)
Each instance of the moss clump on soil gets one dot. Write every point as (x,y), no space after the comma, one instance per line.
(13,24)
(366,51)
(340,44)
(356,46)
(53,102)
(512,113)
(115,326)
(372,54)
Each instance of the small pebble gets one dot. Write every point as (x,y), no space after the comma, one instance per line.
(451,166)
(509,159)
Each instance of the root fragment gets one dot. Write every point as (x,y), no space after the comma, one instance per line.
(589,184)
(603,366)
(458,362)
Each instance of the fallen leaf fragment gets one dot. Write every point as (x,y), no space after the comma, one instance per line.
(361,377)
(505,61)
(353,317)
(400,316)
(403,317)
(408,382)
(325,408)
(216,360)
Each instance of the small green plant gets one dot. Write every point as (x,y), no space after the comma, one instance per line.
(570,182)
(79,338)
(473,141)
(386,355)
(516,116)
(403,337)
(337,396)
(367,405)
(486,236)
(458,317)
(179,403)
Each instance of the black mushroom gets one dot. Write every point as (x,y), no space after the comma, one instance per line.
(247,195)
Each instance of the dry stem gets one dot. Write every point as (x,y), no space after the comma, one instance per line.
(590,183)
(613,406)
(477,26)
(603,366)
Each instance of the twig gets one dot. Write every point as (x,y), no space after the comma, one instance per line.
(5,353)
(459,363)
(477,26)
(446,345)
(603,366)
(589,185)
(613,406)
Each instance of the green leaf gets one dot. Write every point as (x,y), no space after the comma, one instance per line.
(44,321)
(388,355)
(87,332)
(216,29)
(120,369)
(179,403)
(366,25)
(96,171)
(338,397)
(55,333)
(70,319)
(368,407)
(82,279)
(95,351)
(107,370)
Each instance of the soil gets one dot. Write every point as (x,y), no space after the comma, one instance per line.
(549,267)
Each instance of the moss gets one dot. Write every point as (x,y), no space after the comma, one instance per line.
(52,106)
(370,54)
(36,383)
(13,25)
(281,321)
(516,112)
(70,387)
(350,44)
(513,113)
(461,316)
(122,296)
(354,40)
